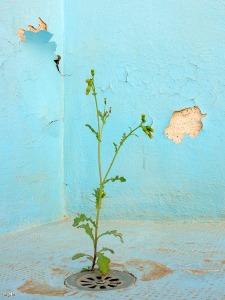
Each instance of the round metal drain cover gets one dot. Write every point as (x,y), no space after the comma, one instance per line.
(95,281)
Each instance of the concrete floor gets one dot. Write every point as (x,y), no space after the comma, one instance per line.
(170,261)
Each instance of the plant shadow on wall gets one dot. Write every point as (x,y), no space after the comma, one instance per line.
(91,226)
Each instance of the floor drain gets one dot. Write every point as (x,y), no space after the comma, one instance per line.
(95,281)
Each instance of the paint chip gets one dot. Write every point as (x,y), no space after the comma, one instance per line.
(41,26)
(185,121)
(20,33)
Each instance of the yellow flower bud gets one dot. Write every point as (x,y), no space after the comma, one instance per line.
(87,80)
(93,72)
(143,118)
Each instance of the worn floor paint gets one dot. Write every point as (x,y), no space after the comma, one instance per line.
(170,260)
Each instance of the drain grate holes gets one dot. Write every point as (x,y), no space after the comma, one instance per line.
(97,282)
(100,282)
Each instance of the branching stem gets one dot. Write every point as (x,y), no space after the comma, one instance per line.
(101,180)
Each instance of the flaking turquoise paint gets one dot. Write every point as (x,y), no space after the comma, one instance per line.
(152,57)
(30,116)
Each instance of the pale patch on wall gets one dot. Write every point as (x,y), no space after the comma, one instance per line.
(185,121)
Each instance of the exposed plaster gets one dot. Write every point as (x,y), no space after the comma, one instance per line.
(185,121)
(41,26)
(38,37)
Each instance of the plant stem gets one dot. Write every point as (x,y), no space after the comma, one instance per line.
(117,151)
(98,203)
(102,181)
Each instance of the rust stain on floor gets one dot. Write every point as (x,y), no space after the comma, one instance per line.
(207,260)
(38,288)
(203,271)
(151,270)
(58,271)
(119,265)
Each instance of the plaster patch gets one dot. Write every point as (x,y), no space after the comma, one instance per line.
(185,121)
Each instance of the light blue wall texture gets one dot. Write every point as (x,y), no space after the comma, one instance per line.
(152,57)
(31,113)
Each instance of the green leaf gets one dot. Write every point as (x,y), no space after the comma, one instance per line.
(103,263)
(97,196)
(123,139)
(113,232)
(122,179)
(106,249)
(97,193)
(82,218)
(93,130)
(103,117)
(100,114)
(79,255)
(115,146)
(88,230)
(85,269)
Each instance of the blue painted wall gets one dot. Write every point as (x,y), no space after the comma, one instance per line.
(31,114)
(152,57)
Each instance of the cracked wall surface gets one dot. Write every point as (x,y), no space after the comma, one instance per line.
(149,57)
(153,57)
(30,102)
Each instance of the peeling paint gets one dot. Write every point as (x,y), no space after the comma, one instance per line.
(31,98)
(41,26)
(185,121)
(158,58)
